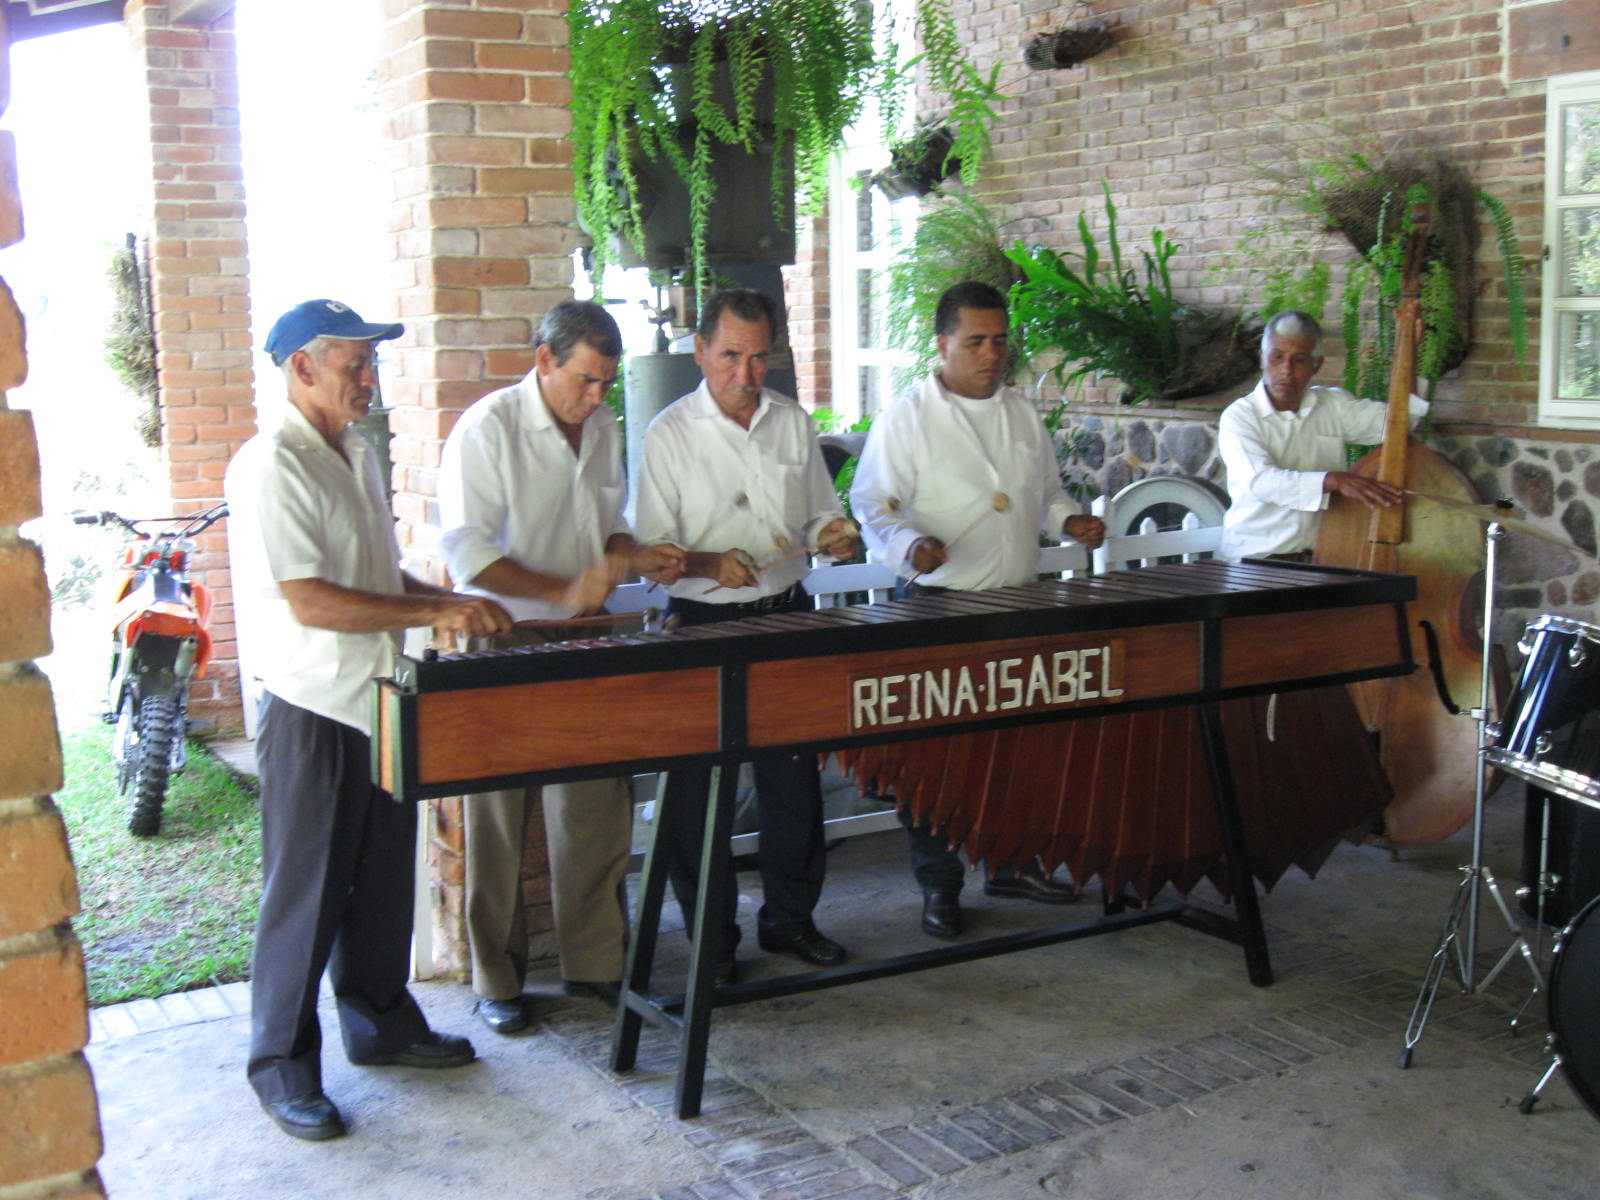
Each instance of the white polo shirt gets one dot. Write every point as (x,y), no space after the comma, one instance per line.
(510,486)
(707,484)
(297,510)
(935,464)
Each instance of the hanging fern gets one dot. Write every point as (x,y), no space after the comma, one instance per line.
(669,81)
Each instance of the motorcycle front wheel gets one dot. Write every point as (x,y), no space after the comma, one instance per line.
(147,759)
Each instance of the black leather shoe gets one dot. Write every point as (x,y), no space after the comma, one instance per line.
(1033,885)
(502,1016)
(805,943)
(311,1117)
(607,991)
(431,1050)
(941,913)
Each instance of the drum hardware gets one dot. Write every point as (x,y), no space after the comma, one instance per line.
(1453,942)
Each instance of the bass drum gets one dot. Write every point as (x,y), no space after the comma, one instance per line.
(1550,735)
(1575,1004)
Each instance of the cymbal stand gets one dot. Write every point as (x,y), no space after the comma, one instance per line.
(1453,944)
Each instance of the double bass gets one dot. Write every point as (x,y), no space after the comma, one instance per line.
(1429,752)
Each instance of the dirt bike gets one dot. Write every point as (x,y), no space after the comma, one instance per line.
(159,642)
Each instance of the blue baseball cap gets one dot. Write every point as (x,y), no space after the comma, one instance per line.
(322,318)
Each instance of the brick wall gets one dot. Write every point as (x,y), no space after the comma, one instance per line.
(806,295)
(49,1117)
(195,247)
(484,226)
(1195,102)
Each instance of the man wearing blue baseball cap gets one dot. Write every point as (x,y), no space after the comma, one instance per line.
(319,599)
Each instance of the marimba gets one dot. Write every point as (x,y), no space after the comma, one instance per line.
(1117,648)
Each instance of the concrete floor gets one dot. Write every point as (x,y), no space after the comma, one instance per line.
(1141,1065)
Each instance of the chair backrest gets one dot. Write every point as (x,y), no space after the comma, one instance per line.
(1161,517)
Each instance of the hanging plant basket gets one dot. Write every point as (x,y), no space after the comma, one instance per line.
(1070,46)
(919,166)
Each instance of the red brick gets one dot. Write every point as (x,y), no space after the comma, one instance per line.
(20,497)
(49,1121)
(38,887)
(30,753)
(25,615)
(44,1009)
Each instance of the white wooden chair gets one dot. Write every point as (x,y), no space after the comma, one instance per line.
(1161,517)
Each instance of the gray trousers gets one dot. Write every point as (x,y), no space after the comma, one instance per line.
(588,828)
(337,883)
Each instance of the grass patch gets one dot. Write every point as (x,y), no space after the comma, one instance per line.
(172,912)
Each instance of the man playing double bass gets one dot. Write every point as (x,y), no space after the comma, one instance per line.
(1284,447)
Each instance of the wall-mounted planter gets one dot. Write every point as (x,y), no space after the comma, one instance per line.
(1070,46)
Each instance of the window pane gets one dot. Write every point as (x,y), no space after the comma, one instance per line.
(1580,252)
(1580,173)
(1579,376)
(866,237)
(870,381)
(869,328)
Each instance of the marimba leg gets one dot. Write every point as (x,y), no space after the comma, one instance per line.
(642,942)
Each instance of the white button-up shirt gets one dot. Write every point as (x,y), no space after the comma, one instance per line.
(709,485)
(511,487)
(297,510)
(933,466)
(1276,462)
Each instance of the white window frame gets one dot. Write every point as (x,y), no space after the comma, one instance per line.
(1563,91)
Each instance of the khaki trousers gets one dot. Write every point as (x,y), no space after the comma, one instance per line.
(588,828)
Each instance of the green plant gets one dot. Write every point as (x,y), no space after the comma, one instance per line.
(130,344)
(1370,200)
(168,913)
(646,83)
(955,239)
(1107,318)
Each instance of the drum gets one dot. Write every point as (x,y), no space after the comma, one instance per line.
(1573,859)
(1550,732)
(1575,1004)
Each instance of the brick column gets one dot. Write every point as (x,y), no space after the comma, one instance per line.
(808,299)
(195,251)
(49,1117)
(484,226)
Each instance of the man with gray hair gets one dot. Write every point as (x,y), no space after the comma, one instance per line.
(1284,447)
(531,492)
(320,597)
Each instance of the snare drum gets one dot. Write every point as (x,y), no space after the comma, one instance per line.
(1575,1004)
(1550,734)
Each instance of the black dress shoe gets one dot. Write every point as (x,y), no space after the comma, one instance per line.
(607,991)
(1033,885)
(805,943)
(502,1016)
(311,1117)
(431,1050)
(941,913)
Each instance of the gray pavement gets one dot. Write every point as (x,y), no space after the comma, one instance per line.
(1139,1065)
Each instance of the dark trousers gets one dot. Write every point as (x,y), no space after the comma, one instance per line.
(337,884)
(793,855)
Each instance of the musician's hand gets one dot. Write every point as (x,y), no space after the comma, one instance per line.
(662,563)
(735,569)
(838,540)
(470,616)
(587,592)
(1358,487)
(1087,531)
(928,554)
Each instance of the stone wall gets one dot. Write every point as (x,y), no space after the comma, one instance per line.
(49,1117)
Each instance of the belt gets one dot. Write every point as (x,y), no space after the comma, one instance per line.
(782,601)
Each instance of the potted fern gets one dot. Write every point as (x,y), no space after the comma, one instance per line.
(1104,317)
(718,98)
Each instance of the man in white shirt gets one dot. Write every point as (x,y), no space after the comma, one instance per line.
(732,474)
(319,598)
(530,500)
(1284,447)
(957,480)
